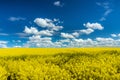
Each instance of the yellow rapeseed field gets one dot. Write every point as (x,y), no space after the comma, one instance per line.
(48,51)
(60,64)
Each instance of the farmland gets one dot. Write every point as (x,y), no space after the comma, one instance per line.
(60,64)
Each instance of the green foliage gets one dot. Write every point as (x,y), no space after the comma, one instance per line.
(103,65)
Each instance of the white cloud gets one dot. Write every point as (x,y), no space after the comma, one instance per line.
(47,23)
(43,22)
(31,30)
(76,34)
(119,35)
(116,35)
(3,44)
(108,10)
(50,27)
(107,42)
(104,39)
(99,41)
(94,26)
(91,27)
(38,41)
(58,3)
(113,35)
(46,33)
(86,31)
(71,41)
(16,18)
(34,31)
(34,38)
(66,35)
(64,40)
(42,38)
(17,46)
(83,42)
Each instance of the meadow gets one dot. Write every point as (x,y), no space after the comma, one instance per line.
(60,64)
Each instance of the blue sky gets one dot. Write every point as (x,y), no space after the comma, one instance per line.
(59,23)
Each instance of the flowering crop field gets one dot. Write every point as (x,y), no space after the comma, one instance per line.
(60,64)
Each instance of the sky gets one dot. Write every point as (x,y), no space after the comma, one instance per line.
(59,23)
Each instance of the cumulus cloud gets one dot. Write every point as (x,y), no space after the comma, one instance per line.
(94,26)
(31,30)
(58,3)
(104,39)
(107,42)
(116,35)
(46,33)
(113,35)
(66,35)
(91,27)
(75,34)
(86,31)
(82,43)
(44,37)
(47,23)
(43,22)
(99,41)
(49,28)
(38,41)
(119,35)
(16,18)
(34,31)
